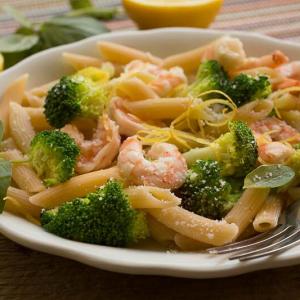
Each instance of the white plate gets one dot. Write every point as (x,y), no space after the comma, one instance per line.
(46,66)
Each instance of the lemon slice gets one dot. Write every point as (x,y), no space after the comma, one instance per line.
(165,13)
(1,62)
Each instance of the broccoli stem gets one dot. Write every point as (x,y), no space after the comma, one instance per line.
(199,153)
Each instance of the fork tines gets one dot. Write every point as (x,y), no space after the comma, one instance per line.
(274,241)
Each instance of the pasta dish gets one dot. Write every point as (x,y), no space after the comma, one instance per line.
(196,149)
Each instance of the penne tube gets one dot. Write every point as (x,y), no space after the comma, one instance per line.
(34,100)
(159,232)
(123,55)
(78,61)
(158,109)
(22,197)
(20,126)
(189,60)
(188,244)
(196,227)
(292,117)
(23,174)
(42,90)
(294,193)
(268,216)
(247,207)
(135,89)
(254,111)
(77,186)
(14,93)
(8,144)
(37,118)
(151,197)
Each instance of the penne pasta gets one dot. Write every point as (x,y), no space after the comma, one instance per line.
(159,232)
(188,60)
(268,216)
(42,90)
(294,193)
(20,126)
(292,117)
(157,109)
(122,54)
(23,174)
(22,197)
(254,111)
(151,197)
(196,227)
(247,207)
(77,186)
(14,93)
(8,144)
(37,118)
(135,89)
(188,244)
(34,100)
(78,61)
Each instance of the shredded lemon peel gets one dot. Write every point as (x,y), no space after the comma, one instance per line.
(190,121)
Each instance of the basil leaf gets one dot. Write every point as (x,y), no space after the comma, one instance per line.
(95,12)
(77,4)
(1,131)
(64,30)
(17,42)
(269,176)
(16,47)
(20,18)
(5,179)
(26,31)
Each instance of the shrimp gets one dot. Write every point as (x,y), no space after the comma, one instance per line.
(275,152)
(166,167)
(273,137)
(291,73)
(227,50)
(161,81)
(273,129)
(99,152)
(272,60)
(128,123)
(291,70)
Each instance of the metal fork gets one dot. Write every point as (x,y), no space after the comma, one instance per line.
(277,240)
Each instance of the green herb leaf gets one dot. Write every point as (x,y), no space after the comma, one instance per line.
(64,30)
(1,131)
(16,47)
(269,176)
(77,4)
(5,179)
(17,42)
(95,12)
(20,18)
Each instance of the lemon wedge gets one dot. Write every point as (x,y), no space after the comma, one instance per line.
(1,62)
(164,13)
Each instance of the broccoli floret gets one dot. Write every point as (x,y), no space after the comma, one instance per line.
(53,156)
(244,88)
(74,96)
(104,217)
(205,192)
(210,76)
(236,151)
